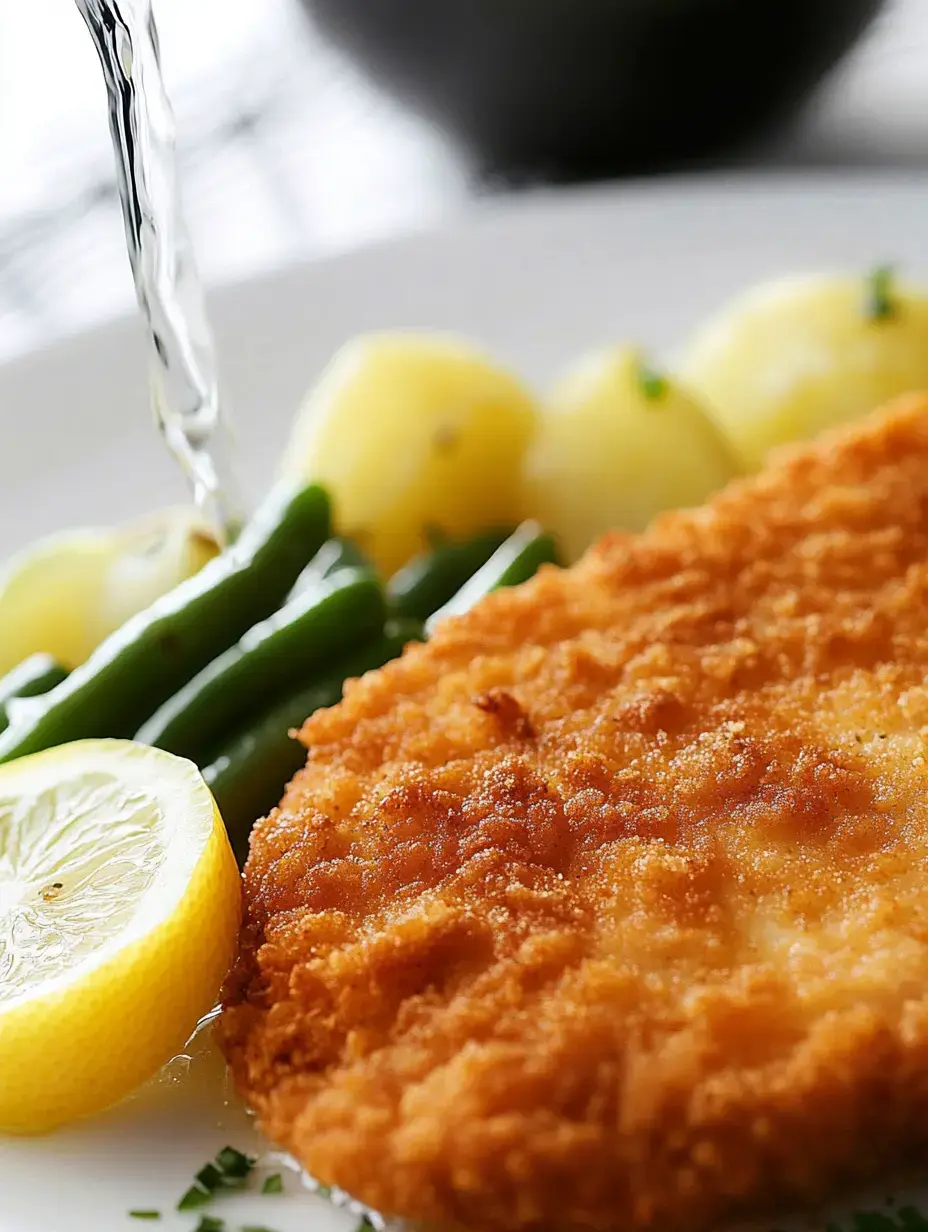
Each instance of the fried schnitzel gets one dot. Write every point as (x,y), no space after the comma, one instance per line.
(608,908)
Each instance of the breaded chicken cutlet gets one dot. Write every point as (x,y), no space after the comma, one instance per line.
(608,908)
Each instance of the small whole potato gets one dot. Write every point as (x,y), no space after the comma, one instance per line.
(64,594)
(792,357)
(151,557)
(618,444)
(413,435)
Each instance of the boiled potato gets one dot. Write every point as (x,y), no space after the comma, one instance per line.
(66,593)
(617,445)
(796,356)
(413,435)
(149,558)
(46,593)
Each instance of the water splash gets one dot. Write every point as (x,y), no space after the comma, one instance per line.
(185,387)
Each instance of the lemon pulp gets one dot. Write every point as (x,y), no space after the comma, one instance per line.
(119,912)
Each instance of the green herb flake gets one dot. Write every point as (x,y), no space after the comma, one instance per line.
(324,1191)
(209,1223)
(653,384)
(209,1178)
(365,1225)
(234,1165)
(273,1184)
(254,1227)
(144,1214)
(194,1198)
(880,304)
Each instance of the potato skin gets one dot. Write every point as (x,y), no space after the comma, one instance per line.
(801,354)
(413,434)
(614,449)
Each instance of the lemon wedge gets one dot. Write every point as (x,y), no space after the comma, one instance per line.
(119,914)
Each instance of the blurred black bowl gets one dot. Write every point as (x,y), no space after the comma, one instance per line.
(573,88)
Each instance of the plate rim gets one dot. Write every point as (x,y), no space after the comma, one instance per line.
(486,213)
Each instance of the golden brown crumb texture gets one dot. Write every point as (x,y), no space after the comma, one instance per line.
(608,908)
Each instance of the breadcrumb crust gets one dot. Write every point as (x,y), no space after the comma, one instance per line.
(607,908)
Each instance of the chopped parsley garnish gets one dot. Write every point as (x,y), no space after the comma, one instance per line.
(233,1164)
(365,1225)
(653,384)
(229,1169)
(880,304)
(194,1197)
(273,1184)
(209,1178)
(324,1191)
(252,1227)
(209,1223)
(144,1214)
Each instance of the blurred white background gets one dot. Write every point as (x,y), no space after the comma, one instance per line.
(287,153)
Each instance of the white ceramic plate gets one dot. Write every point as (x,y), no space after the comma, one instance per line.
(539,282)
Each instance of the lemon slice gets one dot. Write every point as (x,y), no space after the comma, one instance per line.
(119,913)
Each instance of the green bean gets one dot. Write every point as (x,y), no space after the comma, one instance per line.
(428,581)
(335,554)
(34,676)
(147,660)
(515,561)
(325,619)
(248,772)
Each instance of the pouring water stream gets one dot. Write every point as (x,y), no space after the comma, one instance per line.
(185,388)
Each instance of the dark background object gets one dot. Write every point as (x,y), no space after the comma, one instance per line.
(571,89)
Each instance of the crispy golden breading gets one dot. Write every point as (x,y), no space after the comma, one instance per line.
(608,908)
